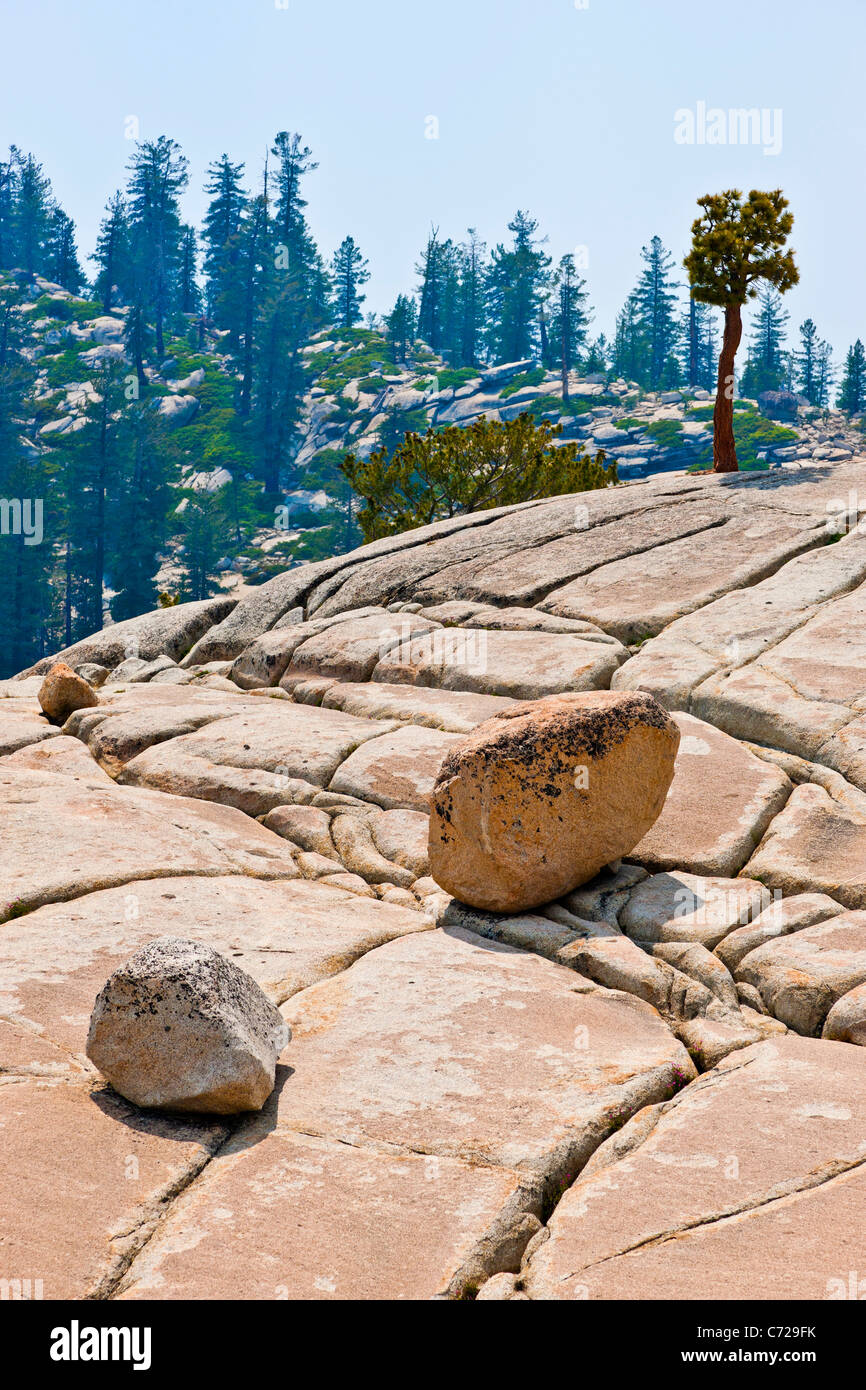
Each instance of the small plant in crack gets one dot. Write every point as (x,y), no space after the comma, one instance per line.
(19,909)
(679,1081)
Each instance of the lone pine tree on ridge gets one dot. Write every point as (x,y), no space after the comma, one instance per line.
(736,243)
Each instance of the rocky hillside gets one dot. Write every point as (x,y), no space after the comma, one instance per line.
(359,398)
(473,1103)
(645,433)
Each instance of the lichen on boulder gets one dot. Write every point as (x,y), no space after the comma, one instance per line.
(179,1027)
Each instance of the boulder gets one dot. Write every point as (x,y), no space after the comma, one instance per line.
(800,977)
(147,670)
(506,370)
(62,692)
(687,907)
(178,410)
(165,631)
(535,801)
(816,844)
(846,1021)
(179,1027)
(780,405)
(93,673)
(516,665)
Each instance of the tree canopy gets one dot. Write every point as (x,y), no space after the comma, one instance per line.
(448,472)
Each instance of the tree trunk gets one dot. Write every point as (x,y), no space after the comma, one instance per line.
(545,342)
(99,566)
(67,604)
(563,348)
(109,277)
(724,449)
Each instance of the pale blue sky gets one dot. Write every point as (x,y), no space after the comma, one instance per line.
(565,111)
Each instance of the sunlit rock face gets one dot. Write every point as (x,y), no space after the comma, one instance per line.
(263,780)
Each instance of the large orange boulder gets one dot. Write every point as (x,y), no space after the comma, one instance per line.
(63,691)
(536,800)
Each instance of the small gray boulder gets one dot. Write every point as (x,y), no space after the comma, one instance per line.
(93,673)
(178,1027)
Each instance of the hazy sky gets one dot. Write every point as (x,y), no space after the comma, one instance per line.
(566,109)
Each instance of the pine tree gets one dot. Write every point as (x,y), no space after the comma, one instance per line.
(812,366)
(157,178)
(655,311)
(766,368)
(349,274)
(254,270)
(115,479)
(806,361)
(294,160)
(8,190)
(736,244)
(114,276)
(61,257)
(401,324)
(432,270)
(826,375)
(26,497)
(629,346)
(569,321)
(141,506)
(207,532)
(852,389)
(296,251)
(221,236)
(32,216)
(472,271)
(692,338)
(89,462)
(451,303)
(284,304)
(698,346)
(188,292)
(279,385)
(708,350)
(516,285)
(137,343)
(456,470)
(597,357)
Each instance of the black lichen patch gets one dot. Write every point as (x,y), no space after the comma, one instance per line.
(555,735)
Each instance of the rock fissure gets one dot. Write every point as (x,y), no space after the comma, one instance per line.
(775,1195)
